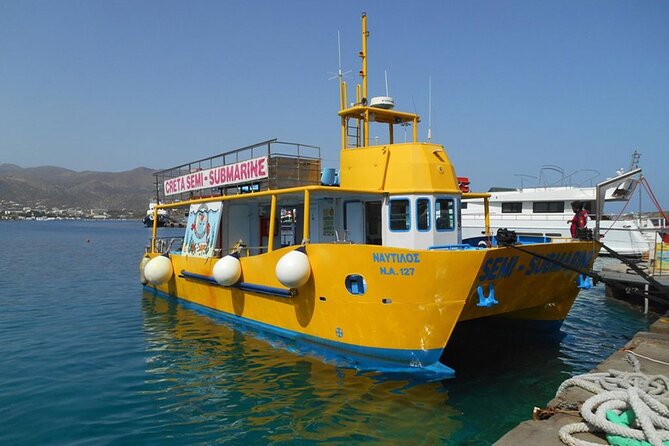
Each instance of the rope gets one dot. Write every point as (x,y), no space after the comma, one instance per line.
(646,396)
(646,357)
(599,278)
(646,185)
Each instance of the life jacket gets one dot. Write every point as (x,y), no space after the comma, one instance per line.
(580,220)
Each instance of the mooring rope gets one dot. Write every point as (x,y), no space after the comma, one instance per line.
(647,396)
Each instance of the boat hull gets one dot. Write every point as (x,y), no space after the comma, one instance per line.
(529,281)
(411,302)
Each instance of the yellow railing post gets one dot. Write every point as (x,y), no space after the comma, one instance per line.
(272,224)
(305,227)
(344,139)
(155,229)
(486,207)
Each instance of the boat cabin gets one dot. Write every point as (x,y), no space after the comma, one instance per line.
(279,188)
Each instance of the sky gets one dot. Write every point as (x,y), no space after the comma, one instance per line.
(114,85)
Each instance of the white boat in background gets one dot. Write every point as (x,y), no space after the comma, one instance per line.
(545,212)
(163,216)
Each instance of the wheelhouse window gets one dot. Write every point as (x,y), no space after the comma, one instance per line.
(550,207)
(514,207)
(444,213)
(400,216)
(423,214)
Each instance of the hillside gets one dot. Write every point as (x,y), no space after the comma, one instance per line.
(64,188)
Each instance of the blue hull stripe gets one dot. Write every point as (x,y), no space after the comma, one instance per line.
(421,364)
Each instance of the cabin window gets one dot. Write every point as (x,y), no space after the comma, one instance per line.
(463,205)
(400,217)
(290,225)
(423,214)
(459,214)
(550,207)
(514,207)
(444,213)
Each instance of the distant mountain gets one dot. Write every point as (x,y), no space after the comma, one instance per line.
(65,188)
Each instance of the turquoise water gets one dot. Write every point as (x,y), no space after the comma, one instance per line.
(87,358)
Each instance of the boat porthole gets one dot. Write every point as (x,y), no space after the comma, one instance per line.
(355,284)
(339,332)
(385,300)
(322,298)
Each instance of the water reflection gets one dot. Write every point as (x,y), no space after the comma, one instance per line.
(237,388)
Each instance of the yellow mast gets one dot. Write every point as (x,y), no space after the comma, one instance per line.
(363,55)
(363,74)
(362,112)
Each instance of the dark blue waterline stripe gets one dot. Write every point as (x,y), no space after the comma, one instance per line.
(261,289)
(388,361)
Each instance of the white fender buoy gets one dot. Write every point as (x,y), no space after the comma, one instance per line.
(158,270)
(227,270)
(293,269)
(142,265)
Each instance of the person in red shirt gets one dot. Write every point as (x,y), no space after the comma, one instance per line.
(580,219)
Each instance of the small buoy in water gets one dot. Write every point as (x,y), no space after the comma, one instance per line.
(158,270)
(293,269)
(227,270)
(142,265)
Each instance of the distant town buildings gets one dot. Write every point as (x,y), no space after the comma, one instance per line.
(12,210)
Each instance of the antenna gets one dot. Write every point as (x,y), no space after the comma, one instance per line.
(339,54)
(429,111)
(340,74)
(385,72)
(635,160)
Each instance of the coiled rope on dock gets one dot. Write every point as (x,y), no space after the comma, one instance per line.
(646,396)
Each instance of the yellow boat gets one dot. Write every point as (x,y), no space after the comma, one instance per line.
(366,268)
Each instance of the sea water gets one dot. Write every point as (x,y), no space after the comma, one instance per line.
(88,358)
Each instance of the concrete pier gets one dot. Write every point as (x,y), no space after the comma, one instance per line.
(625,284)
(565,409)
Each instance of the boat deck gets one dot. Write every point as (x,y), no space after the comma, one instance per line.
(288,165)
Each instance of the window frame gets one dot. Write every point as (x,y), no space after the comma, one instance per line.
(390,214)
(548,207)
(512,211)
(429,214)
(452,220)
